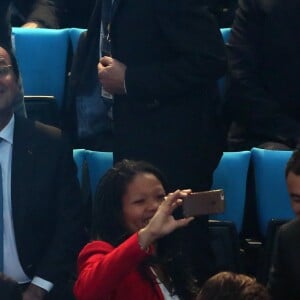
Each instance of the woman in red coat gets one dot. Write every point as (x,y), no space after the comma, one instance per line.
(129,257)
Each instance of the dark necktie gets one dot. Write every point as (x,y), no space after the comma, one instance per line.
(1,218)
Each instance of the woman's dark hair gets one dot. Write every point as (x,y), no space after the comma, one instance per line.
(107,220)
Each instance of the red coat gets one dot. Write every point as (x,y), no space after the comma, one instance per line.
(108,273)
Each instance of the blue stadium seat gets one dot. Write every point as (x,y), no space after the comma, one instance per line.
(42,59)
(231,176)
(271,192)
(98,163)
(225,34)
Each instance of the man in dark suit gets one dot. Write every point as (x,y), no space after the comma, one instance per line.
(42,217)
(284,281)
(263,93)
(166,59)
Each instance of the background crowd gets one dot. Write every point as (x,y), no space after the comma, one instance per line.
(144,84)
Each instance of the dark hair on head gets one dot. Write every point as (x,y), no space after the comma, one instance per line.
(231,286)
(293,164)
(13,60)
(107,219)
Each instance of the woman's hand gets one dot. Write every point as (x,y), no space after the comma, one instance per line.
(163,222)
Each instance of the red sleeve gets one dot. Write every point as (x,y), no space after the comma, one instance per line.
(102,267)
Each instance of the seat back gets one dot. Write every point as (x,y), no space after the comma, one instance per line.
(225,34)
(42,59)
(268,249)
(231,176)
(225,246)
(98,163)
(271,192)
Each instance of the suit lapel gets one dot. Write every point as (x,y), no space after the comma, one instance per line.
(22,172)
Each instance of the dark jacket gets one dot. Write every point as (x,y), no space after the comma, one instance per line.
(263,93)
(284,282)
(171,75)
(46,203)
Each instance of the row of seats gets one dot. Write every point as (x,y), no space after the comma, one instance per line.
(43,56)
(231,176)
(224,236)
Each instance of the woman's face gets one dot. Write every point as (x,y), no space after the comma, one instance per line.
(141,200)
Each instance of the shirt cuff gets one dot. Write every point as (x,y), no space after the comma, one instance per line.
(42,283)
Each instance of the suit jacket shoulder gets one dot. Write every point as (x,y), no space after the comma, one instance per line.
(284,280)
(37,134)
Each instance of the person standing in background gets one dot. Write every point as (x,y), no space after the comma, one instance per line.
(166,58)
(262,92)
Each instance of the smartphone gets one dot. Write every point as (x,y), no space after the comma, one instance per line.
(204,203)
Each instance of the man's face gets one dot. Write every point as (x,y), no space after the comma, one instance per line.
(293,185)
(9,87)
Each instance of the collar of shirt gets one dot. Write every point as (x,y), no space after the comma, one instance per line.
(7,133)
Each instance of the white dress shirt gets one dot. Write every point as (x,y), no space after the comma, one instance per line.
(11,262)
